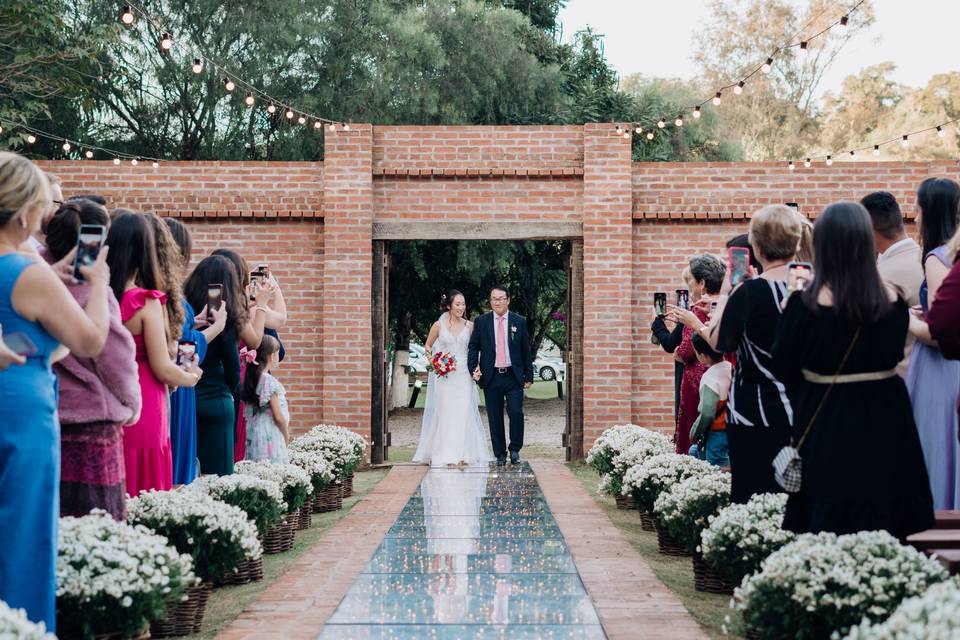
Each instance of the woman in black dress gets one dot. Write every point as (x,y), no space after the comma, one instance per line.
(863,467)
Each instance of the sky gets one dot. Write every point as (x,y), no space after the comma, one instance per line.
(920,36)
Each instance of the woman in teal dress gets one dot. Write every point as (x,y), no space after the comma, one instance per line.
(35,304)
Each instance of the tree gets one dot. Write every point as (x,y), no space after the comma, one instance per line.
(775,117)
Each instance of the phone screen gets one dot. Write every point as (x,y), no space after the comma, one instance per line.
(798,275)
(254,282)
(660,304)
(214,299)
(186,353)
(683,298)
(20,344)
(793,205)
(264,270)
(89,242)
(739,258)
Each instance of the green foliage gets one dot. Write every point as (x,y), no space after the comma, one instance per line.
(260,507)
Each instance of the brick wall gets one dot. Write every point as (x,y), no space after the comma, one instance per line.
(641,221)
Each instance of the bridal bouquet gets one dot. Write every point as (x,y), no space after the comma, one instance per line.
(443,364)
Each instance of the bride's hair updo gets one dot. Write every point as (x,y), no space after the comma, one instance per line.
(446,300)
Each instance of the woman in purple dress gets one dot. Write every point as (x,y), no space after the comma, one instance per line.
(933,380)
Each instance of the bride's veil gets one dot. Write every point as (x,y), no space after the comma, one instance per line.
(430,402)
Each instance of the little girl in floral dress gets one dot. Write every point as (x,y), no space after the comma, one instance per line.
(265,405)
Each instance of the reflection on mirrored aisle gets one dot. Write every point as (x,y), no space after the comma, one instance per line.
(475,554)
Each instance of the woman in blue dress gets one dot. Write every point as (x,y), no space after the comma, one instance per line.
(37,314)
(183,402)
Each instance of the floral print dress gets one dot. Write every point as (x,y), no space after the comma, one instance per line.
(265,441)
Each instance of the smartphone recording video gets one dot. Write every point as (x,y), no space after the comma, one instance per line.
(683,299)
(738,259)
(20,343)
(798,275)
(186,354)
(264,270)
(793,205)
(89,241)
(214,300)
(660,304)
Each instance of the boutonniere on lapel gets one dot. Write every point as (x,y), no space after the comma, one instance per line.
(513,332)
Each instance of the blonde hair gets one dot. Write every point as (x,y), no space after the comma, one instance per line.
(805,246)
(169,260)
(776,232)
(24,190)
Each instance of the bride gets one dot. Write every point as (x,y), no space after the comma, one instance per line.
(452,433)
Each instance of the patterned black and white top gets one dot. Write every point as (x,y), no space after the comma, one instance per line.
(749,327)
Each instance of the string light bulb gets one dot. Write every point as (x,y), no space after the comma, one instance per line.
(639,129)
(166,42)
(317,125)
(289,114)
(941,132)
(126,16)
(301,120)
(803,47)
(649,135)
(739,88)
(66,146)
(619,129)
(767,66)
(346,127)
(88,154)
(1,128)
(696,111)
(626,134)
(843,21)
(905,141)
(134,162)
(333,127)
(116,161)
(249,100)
(829,161)
(807,163)
(661,123)
(717,99)
(876,149)
(155,164)
(197,65)
(679,121)
(853,154)
(791,166)
(272,108)
(31,139)
(228,84)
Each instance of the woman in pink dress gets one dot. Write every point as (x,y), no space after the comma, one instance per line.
(136,281)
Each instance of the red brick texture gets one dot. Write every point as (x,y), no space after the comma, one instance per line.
(314,223)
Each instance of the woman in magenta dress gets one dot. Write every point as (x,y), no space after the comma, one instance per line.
(706,274)
(136,281)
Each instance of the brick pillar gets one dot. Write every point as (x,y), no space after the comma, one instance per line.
(607,280)
(348,237)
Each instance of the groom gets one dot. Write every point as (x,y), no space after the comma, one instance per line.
(499,357)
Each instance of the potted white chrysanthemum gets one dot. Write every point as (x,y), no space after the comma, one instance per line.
(344,449)
(218,536)
(262,501)
(612,443)
(327,490)
(741,536)
(823,584)
(14,625)
(933,615)
(113,577)
(646,446)
(294,482)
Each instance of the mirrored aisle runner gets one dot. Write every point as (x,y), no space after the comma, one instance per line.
(475,554)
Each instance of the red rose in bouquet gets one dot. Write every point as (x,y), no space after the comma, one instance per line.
(443,364)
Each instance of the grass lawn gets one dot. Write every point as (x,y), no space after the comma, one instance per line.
(676,573)
(540,390)
(226,603)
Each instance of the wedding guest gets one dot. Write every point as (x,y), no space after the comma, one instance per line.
(709,431)
(34,244)
(706,278)
(742,241)
(169,262)
(136,280)
(759,413)
(220,384)
(669,340)
(183,401)
(265,403)
(944,314)
(899,256)
(35,303)
(837,348)
(934,381)
(98,396)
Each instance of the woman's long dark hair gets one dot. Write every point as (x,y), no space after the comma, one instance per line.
(64,227)
(217,270)
(846,259)
(239,263)
(133,251)
(251,379)
(939,202)
(181,235)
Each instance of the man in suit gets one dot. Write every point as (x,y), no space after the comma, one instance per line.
(499,357)
(899,256)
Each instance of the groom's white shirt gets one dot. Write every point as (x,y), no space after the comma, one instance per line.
(497,336)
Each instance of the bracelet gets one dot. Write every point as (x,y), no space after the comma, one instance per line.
(260,308)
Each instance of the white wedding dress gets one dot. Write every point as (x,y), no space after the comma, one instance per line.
(452,431)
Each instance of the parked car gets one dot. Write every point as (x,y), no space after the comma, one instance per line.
(549,368)
(418,358)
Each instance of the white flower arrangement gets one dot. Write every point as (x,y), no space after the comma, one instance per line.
(322,473)
(294,482)
(218,536)
(15,626)
(611,442)
(112,576)
(741,536)
(686,507)
(647,480)
(262,500)
(342,448)
(935,614)
(645,446)
(823,584)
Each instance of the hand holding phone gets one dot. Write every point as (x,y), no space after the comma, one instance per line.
(738,264)
(660,304)
(799,274)
(186,354)
(89,242)
(214,300)
(9,354)
(683,299)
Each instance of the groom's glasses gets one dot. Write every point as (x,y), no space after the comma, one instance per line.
(499,299)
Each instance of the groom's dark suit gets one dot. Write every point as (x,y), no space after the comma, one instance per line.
(501,384)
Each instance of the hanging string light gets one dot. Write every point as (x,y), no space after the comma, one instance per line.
(67,145)
(249,100)
(696,112)
(228,84)
(905,141)
(739,88)
(197,65)
(767,66)
(941,132)
(679,121)
(166,42)
(717,99)
(126,16)
(649,135)
(661,123)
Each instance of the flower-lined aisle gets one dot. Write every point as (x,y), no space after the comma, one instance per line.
(783,585)
(152,575)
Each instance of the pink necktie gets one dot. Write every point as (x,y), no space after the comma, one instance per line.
(501,343)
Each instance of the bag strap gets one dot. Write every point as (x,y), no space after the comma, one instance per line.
(826,395)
